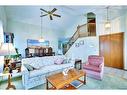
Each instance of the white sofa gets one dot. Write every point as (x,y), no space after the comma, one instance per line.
(34,78)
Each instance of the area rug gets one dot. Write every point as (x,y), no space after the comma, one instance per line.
(108,82)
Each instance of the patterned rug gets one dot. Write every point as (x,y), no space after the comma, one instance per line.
(109,82)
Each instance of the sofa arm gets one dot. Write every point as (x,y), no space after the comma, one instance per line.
(101,65)
(25,74)
(85,64)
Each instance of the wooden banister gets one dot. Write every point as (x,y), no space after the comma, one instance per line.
(82,31)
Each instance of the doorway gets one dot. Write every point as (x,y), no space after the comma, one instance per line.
(91,24)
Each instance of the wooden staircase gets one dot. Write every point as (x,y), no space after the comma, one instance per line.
(84,30)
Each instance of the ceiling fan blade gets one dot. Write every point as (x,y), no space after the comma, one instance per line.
(43,15)
(53,10)
(43,10)
(56,15)
(50,17)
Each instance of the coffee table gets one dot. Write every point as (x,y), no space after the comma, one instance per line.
(60,81)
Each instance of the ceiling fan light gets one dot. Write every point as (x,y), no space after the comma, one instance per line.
(41,39)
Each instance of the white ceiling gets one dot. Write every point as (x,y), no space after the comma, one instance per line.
(69,14)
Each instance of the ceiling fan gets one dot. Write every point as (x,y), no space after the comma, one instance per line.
(49,13)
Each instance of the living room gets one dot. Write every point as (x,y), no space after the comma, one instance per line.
(26,24)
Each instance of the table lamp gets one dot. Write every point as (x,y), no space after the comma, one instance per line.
(7,49)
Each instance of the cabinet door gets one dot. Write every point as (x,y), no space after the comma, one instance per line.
(104,42)
(117,50)
(111,47)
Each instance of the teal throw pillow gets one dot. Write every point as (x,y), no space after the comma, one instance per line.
(29,67)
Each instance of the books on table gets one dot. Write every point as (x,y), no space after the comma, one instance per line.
(76,83)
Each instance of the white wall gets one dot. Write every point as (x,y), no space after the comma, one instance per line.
(2,28)
(90,47)
(3,17)
(1,40)
(23,31)
(70,31)
(125,42)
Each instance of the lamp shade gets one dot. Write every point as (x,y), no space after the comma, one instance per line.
(7,49)
(41,40)
(107,25)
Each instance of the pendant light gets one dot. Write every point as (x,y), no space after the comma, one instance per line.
(41,38)
(107,23)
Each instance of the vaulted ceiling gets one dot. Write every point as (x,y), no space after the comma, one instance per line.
(69,14)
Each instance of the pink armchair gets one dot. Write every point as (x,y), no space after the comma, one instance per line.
(94,67)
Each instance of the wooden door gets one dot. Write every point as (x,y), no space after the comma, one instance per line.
(117,50)
(111,47)
(105,49)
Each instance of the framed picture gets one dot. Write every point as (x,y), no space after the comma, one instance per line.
(32,42)
(81,42)
(76,44)
(8,37)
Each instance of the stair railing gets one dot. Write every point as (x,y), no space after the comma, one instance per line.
(85,30)
(80,32)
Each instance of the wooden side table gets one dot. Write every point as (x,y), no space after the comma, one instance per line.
(9,80)
(9,83)
(78,62)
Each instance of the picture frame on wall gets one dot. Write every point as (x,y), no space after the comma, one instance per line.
(76,44)
(81,42)
(8,37)
(34,42)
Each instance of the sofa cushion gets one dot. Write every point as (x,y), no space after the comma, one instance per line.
(49,69)
(36,73)
(95,60)
(59,56)
(59,61)
(36,62)
(44,70)
(47,61)
(92,67)
(63,66)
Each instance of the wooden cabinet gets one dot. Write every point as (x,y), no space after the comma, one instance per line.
(111,47)
(39,51)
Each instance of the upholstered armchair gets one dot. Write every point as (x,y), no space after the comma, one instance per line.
(94,67)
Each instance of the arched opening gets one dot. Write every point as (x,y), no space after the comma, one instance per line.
(91,24)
